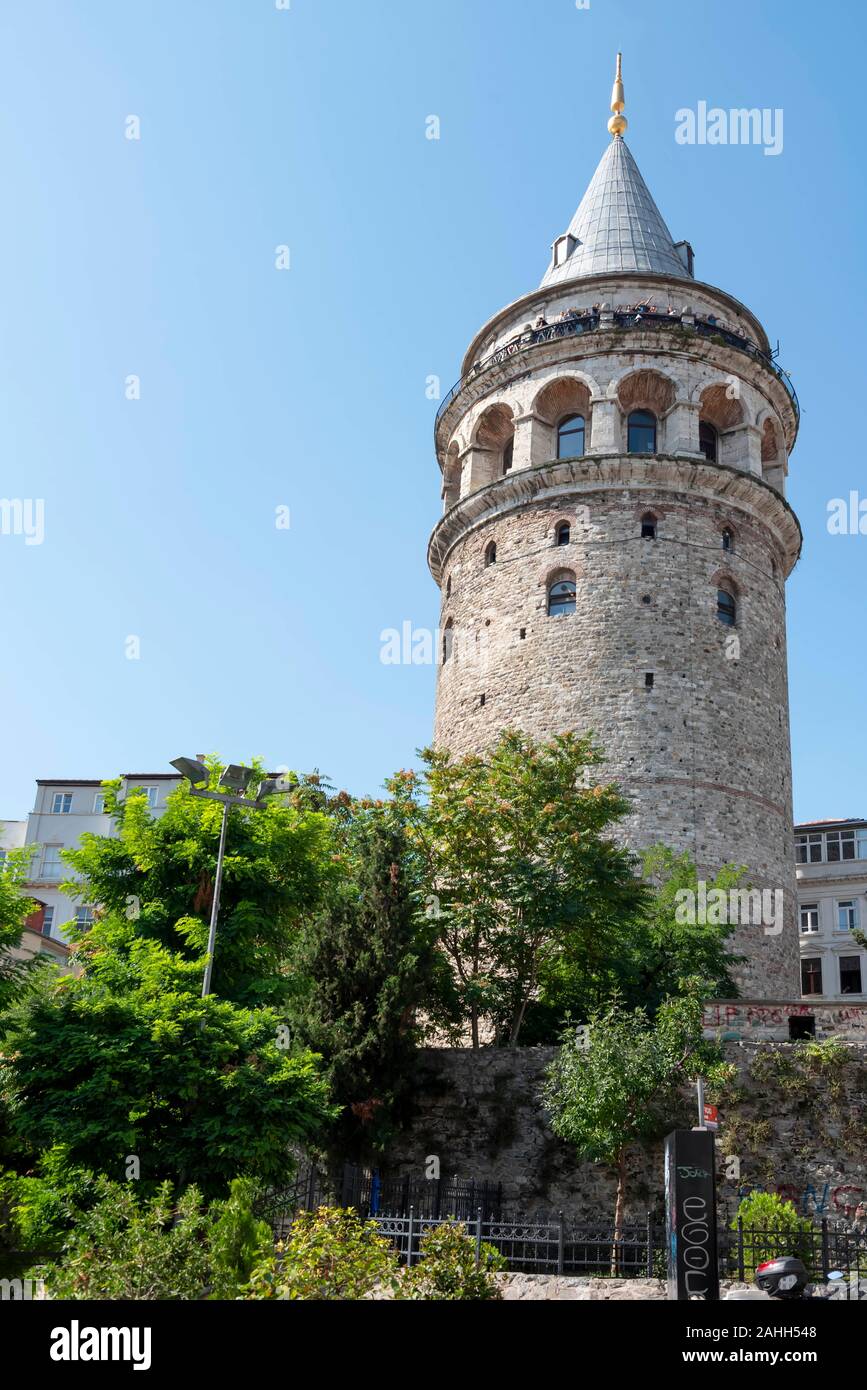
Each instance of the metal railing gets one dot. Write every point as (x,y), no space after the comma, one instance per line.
(620,319)
(405,1209)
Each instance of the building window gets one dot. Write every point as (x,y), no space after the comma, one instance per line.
(726,608)
(561,598)
(808,849)
(648,527)
(52,865)
(99,804)
(811,975)
(448,642)
(850,975)
(839,844)
(84,918)
(570,437)
(847,915)
(151,793)
(61,804)
(47,920)
(641,432)
(491,554)
(707,440)
(564,533)
(809,918)
(728,540)
(508,455)
(862,844)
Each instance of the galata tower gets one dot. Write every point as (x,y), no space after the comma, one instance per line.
(616,540)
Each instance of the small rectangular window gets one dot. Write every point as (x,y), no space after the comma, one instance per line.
(47,920)
(850,975)
(811,975)
(61,804)
(99,804)
(84,917)
(809,918)
(52,864)
(648,680)
(847,915)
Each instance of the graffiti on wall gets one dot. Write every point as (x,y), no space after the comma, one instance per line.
(840,1200)
(844,1018)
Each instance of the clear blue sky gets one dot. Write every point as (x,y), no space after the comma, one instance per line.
(306,388)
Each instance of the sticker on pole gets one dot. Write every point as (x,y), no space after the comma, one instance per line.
(711,1117)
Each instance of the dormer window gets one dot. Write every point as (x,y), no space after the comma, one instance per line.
(563,248)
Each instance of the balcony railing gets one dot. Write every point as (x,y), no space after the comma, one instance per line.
(578,324)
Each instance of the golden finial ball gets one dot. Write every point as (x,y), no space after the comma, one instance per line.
(617,125)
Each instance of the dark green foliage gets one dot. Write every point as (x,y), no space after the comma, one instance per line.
(369,964)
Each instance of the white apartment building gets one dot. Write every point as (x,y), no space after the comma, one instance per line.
(831,867)
(64,810)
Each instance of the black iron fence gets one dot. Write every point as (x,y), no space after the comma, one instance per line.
(406,1208)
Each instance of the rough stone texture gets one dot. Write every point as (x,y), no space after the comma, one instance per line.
(480,1114)
(768,1020)
(704,755)
(556,1288)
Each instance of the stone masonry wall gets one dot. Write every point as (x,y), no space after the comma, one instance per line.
(704,754)
(794,1125)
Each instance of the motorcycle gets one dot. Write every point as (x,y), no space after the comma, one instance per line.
(787,1278)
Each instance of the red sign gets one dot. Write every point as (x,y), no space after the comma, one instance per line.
(711,1117)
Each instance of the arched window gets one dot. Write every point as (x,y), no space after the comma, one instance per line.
(491,554)
(508,455)
(726,607)
(648,527)
(708,440)
(570,437)
(564,533)
(561,598)
(641,432)
(728,539)
(448,641)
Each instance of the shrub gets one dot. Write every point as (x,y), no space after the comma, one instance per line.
(329,1254)
(126,1249)
(447,1269)
(772,1227)
(239,1242)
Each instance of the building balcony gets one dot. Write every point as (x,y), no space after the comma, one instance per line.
(682,327)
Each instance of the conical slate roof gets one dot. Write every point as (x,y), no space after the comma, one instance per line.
(618,225)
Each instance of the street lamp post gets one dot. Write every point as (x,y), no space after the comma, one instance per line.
(236,780)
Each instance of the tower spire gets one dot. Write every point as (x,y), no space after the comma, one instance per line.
(618,123)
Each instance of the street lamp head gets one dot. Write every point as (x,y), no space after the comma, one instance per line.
(274,785)
(192,769)
(237,779)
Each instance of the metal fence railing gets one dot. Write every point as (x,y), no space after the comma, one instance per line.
(405,1209)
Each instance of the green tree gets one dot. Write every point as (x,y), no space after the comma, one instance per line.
(670,943)
(127,1060)
(368,963)
(514,853)
(621,1083)
(158,872)
(16,974)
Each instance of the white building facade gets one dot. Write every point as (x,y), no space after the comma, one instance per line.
(831,866)
(64,810)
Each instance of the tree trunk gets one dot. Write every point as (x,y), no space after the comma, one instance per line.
(474,1025)
(618,1210)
